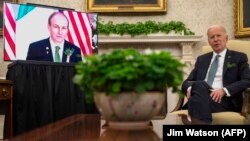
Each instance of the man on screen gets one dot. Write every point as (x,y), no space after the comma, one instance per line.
(55,48)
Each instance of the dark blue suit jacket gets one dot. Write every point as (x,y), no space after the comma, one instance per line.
(41,51)
(236,75)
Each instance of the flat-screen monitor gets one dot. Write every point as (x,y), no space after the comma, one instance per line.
(26,24)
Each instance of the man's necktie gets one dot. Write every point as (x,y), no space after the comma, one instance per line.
(57,55)
(213,70)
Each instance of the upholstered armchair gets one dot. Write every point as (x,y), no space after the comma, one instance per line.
(226,117)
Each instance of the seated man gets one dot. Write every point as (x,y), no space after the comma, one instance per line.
(218,79)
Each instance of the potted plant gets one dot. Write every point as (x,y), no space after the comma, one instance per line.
(125,76)
(143,28)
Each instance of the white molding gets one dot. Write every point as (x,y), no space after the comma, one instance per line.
(175,43)
(149,39)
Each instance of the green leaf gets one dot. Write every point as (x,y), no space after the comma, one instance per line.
(139,28)
(127,70)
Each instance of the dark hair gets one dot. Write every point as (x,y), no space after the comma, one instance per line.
(56,13)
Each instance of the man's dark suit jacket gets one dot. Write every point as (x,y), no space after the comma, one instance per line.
(41,51)
(236,75)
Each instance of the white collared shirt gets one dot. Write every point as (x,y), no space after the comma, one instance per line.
(53,49)
(218,80)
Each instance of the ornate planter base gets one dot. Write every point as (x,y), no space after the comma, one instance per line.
(129,110)
(140,125)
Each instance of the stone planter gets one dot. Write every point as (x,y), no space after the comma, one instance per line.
(129,109)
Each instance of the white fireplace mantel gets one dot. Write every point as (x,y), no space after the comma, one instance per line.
(149,39)
(179,45)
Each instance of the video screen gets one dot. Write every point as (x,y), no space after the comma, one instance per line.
(35,32)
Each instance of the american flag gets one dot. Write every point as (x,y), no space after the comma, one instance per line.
(9,29)
(80,29)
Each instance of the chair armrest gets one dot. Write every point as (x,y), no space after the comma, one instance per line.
(179,104)
(245,106)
